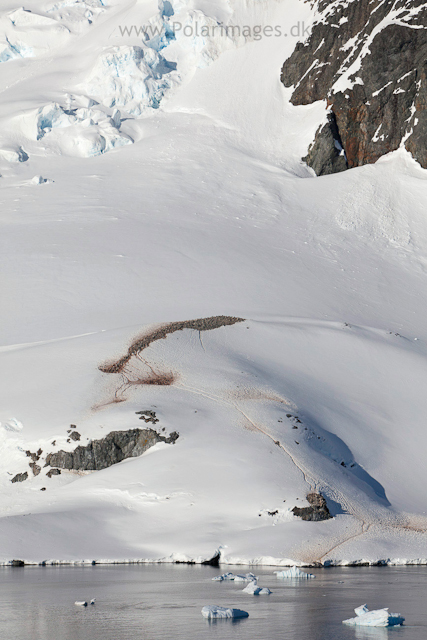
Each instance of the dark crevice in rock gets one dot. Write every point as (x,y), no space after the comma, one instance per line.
(316,512)
(326,155)
(103,453)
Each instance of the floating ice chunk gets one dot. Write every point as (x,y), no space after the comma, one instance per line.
(235,577)
(131,77)
(253,589)
(359,611)
(213,611)
(293,573)
(376,618)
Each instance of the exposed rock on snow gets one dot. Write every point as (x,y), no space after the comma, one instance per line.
(213,611)
(147,416)
(294,573)
(326,155)
(138,345)
(367,60)
(53,472)
(115,447)
(376,618)
(20,477)
(316,512)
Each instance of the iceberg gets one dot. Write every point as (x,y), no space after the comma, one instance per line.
(213,611)
(376,618)
(293,573)
(253,589)
(236,577)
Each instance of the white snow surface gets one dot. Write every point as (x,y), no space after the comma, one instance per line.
(169,186)
(376,618)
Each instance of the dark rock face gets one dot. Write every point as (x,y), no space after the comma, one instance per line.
(53,472)
(75,435)
(316,512)
(115,447)
(147,416)
(20,477)
(326,154)
(35,468)
(367,58)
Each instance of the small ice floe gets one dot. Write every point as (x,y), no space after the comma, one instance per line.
(293,573)
(81,603)
(376,618)
(253,589)
(213,611)
(236,577)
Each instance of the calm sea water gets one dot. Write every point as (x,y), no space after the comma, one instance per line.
(161,602)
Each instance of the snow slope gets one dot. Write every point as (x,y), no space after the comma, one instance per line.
(176,191)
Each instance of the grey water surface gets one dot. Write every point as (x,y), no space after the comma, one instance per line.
(163,602)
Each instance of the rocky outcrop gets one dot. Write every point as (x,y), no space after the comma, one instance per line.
(161,332)
(103,453)
(53,472)
(20,477)
(316,512)
(35,468)
(366,58)
(147,416)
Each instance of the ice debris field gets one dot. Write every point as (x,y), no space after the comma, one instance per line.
(208,352)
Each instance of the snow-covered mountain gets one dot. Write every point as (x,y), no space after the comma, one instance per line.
(367,59)
(197,332)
